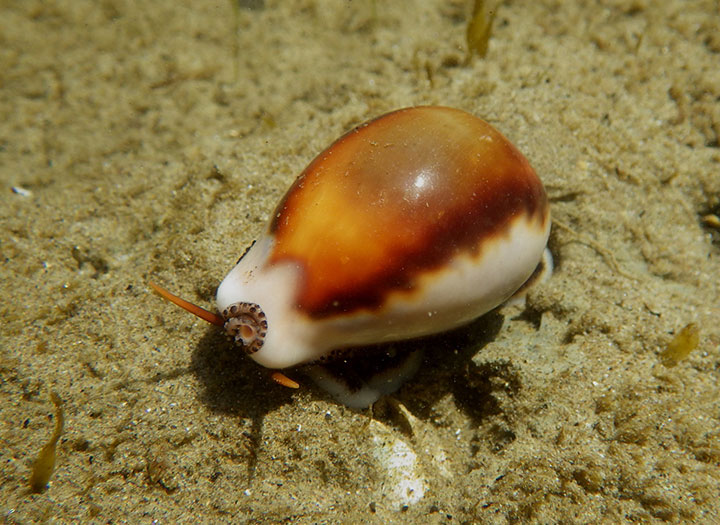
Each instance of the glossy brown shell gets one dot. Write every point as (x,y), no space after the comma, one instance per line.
(398,198)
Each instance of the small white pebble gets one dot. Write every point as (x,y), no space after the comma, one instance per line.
(21,191)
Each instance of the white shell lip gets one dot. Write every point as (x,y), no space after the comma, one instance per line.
(462,290)
(273,289)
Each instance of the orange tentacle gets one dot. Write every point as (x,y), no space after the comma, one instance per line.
(203,314)
(282,379)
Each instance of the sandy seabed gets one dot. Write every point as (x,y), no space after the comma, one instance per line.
(152,140)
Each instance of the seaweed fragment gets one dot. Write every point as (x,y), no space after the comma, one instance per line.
(45,462)
(479,29)
(684,342)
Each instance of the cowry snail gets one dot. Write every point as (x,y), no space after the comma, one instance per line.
(411,224)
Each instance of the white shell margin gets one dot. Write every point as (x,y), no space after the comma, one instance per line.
(457,293)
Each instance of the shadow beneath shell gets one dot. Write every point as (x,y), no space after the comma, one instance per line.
(448,367)
(231,382)
(235,385)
